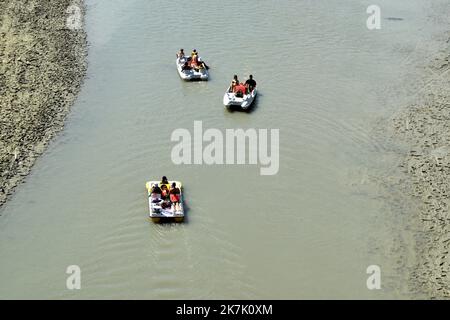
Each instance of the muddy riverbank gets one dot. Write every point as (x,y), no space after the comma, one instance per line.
(425,128)
(43,66)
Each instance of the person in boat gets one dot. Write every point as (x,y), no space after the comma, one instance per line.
(194,53)
(175,196)
(194,62)
(201,65)
(180,54)
(186,67)
(156,192)
(164,192)
(164,180)
(234,83)
(239,90)
(250,83)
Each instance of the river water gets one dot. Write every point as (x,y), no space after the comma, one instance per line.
(309,231)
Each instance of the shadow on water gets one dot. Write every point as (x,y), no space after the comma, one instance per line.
(171,221)
(197,80)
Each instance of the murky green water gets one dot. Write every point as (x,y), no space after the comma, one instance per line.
(307,232)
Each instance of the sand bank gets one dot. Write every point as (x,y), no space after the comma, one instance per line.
(43,66)
(425,127)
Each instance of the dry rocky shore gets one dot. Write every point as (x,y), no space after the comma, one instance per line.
(42,69)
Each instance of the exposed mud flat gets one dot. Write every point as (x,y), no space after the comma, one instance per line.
(43,66)
(425,128)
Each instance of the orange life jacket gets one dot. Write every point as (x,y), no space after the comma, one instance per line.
(175,197)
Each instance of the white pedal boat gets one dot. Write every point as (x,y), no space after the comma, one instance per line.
(230,99)
(201,74)
(159,214)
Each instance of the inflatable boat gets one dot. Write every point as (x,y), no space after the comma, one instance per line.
(192,73)
(245,101)
(160,209)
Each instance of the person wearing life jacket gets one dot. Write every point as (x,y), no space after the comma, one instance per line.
(239,90)
(164,187)
(194,53)
(175,196)
(164,192)
(194,61)
(175,193)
